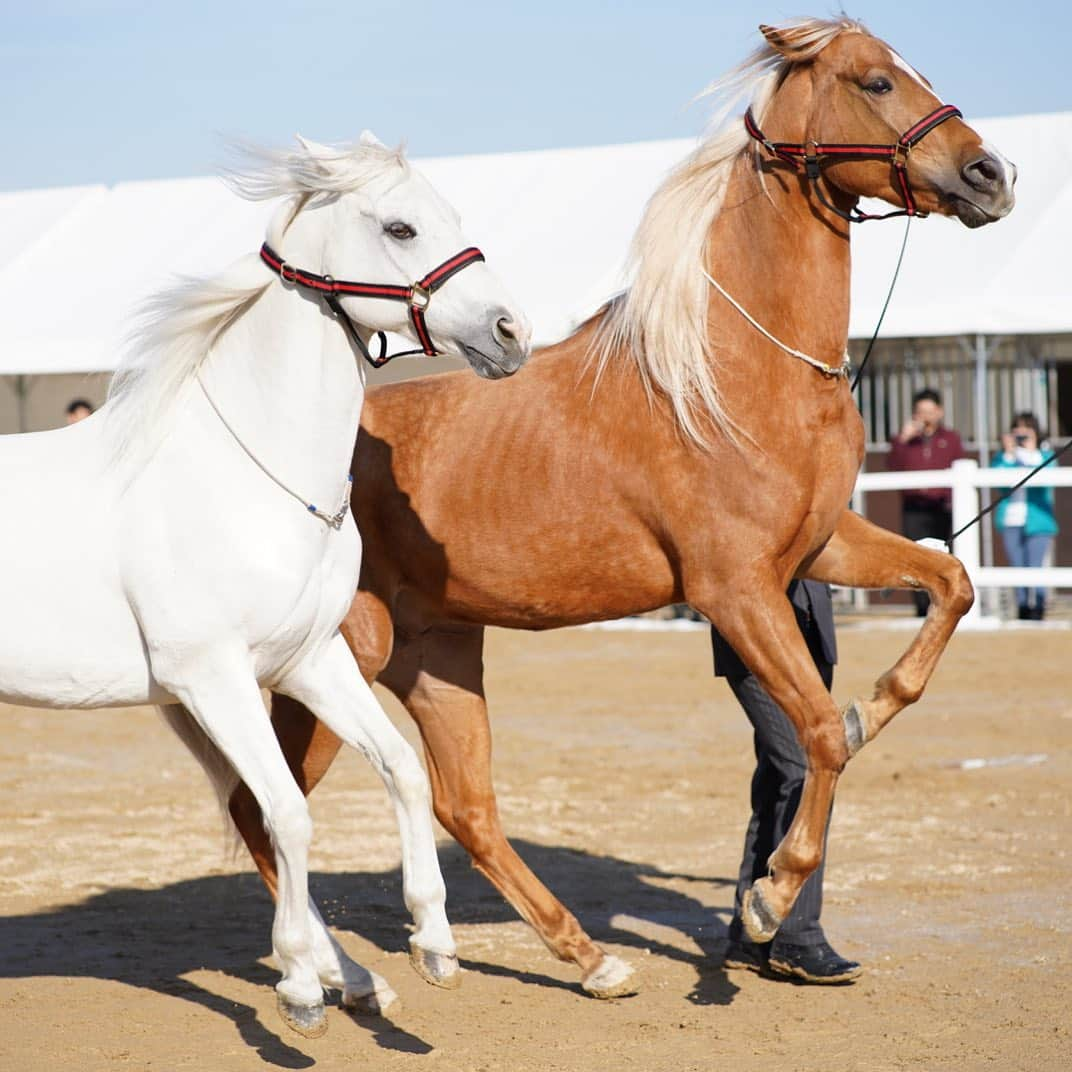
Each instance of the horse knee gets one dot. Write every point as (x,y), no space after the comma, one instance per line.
(826,747)
(959,594)
(408,777)
(290,824)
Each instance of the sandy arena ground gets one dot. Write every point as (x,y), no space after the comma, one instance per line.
(129,940)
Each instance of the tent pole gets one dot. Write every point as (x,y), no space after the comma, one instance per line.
(22,390)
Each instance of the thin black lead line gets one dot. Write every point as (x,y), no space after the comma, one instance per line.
(1008,491)
(885,306)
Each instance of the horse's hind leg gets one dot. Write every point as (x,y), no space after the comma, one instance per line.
(331,686)
(862,555)
(438,675)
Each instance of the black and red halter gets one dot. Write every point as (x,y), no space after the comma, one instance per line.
(812,154)
(417,297)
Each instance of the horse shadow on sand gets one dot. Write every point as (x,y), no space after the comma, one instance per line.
(153,938)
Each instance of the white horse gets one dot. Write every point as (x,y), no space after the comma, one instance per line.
(188,544)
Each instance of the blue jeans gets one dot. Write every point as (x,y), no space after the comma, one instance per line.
(1024,550)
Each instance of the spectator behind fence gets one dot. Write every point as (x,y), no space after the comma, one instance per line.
(1026,519)
(78,409)
(925,443)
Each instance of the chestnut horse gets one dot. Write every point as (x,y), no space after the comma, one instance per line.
(695,441)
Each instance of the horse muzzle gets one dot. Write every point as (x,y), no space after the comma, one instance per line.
(501,349)
(984,193)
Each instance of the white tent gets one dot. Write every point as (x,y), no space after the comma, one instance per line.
(555,225)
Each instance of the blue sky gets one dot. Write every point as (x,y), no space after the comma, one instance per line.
(106,91)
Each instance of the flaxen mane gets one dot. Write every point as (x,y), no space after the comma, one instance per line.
(660,322)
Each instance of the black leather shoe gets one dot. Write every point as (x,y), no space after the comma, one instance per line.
(750,956)
(812,963)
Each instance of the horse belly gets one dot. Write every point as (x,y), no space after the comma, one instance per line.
(567,581)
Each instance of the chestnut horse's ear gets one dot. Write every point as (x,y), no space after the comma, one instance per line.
(783,39)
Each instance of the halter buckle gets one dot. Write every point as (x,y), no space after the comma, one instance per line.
(419,297)
(900,155)
(292,278)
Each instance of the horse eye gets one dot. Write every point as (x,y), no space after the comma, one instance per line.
(879,86)
(400,230)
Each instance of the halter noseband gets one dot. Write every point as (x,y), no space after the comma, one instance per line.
(811,154)
(417,297)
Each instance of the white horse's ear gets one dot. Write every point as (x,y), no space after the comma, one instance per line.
(315,151)
(370,140)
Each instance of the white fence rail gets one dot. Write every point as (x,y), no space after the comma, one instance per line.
(966,478)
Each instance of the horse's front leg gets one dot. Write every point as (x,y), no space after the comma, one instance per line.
(331,686)
(862,555)
(756,618)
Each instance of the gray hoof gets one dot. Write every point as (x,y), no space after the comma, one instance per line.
(759,919)
(855,733)
(310,1021)
(439,969)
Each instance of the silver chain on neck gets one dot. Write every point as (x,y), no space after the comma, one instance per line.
(334,520)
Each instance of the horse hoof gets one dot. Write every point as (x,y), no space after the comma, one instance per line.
(372,1003)
(852,717)
(439,969)
(310,1021)
(612,979)
(759,918)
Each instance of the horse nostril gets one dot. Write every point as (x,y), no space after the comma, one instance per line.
(984,173)
(507,329)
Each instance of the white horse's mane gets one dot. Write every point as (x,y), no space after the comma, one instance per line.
(177,327)
(660,322)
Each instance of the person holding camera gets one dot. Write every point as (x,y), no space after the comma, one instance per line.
(925,443)
(1026,518)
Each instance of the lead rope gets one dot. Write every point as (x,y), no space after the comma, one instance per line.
(334,520)
(1008,491)
(885,306)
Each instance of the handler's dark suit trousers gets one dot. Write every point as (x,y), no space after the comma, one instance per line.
(780,761)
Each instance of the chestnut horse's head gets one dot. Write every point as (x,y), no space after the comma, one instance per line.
(853,89)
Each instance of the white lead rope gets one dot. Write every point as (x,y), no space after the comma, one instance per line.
(335,520)
(822,366)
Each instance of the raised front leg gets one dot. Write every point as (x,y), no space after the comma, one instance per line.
(308,745)
(331,686)
(444,692)
(862,555)
(360,987)
(757,619)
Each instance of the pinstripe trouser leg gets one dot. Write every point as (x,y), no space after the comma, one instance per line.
(776,788)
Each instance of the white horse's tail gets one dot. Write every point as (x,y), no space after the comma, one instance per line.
(214,763)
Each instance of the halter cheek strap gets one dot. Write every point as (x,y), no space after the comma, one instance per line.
(813,154)
(417,296)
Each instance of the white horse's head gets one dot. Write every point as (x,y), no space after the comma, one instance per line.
(364,214)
